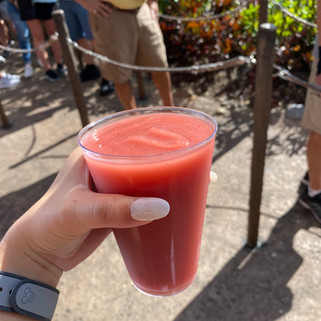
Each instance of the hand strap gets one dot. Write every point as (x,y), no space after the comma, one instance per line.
(27,297)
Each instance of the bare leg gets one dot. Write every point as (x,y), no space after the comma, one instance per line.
(163,83)
(4,39)
(38,39)
(314,160)
(87,44)
(12,34)
(125,94)
(56,49)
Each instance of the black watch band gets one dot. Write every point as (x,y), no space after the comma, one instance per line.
(27,297)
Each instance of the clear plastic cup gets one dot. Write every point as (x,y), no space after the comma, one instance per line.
(163,152)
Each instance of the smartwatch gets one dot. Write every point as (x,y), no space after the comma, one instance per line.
(27,297)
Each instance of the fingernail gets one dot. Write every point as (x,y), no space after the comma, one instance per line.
(213,177)
(148,209)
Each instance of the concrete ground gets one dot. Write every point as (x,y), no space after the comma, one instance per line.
(279,280)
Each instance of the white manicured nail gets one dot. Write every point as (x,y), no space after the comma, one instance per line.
(213,177)
(148,209)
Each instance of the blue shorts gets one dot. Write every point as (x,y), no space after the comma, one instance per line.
(77,20)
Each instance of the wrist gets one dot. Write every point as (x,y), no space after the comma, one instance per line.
(27,298)
(16,261)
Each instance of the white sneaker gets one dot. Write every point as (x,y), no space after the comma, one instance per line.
(28,70)
(9,80)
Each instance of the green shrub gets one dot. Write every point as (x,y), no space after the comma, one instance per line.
(201,42)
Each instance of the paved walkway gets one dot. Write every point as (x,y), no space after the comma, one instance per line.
(280,280)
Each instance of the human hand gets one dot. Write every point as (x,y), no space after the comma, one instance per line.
(97,7)
(154,9)
(68,223)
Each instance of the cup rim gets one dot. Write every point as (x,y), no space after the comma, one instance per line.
(142,111)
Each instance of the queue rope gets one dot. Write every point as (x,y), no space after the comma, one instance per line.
(42,47)
(207,17)
(232,12)
(194,69)
(287,75)
(227,64)
(293,16)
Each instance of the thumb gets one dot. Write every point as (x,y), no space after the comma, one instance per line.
(119,211)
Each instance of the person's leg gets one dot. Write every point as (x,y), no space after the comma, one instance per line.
(7,29)
(43,12)
(24,42)
(38,38)
(116,38)
(314,160)
(151,51)
(91,71)
(310,194)
(125,94)
(87,44)
(163,83)
(22,30)
(4,40)
(310,188)
(311,121)
(80,29)
(51,30)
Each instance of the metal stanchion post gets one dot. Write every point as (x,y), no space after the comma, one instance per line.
(263,12)
(3,117)
(70,61)
(140,83)
(262,106)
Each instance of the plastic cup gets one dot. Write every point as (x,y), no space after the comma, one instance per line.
(166,152)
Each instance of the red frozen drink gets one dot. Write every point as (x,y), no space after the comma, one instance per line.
(156,152)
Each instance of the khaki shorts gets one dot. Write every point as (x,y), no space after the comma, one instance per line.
(127,37)
(312,111)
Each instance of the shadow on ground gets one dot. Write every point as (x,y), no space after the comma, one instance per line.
(13,205)
(253,285)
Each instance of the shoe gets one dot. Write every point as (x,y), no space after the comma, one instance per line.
(90,72)
(303,183)
(106,87)
(313,204)
(305,179)
(9,80)
(61,71)
(51,76)
(28,70)
(6,53)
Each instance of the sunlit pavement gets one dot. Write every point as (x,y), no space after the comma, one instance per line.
(278,280)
